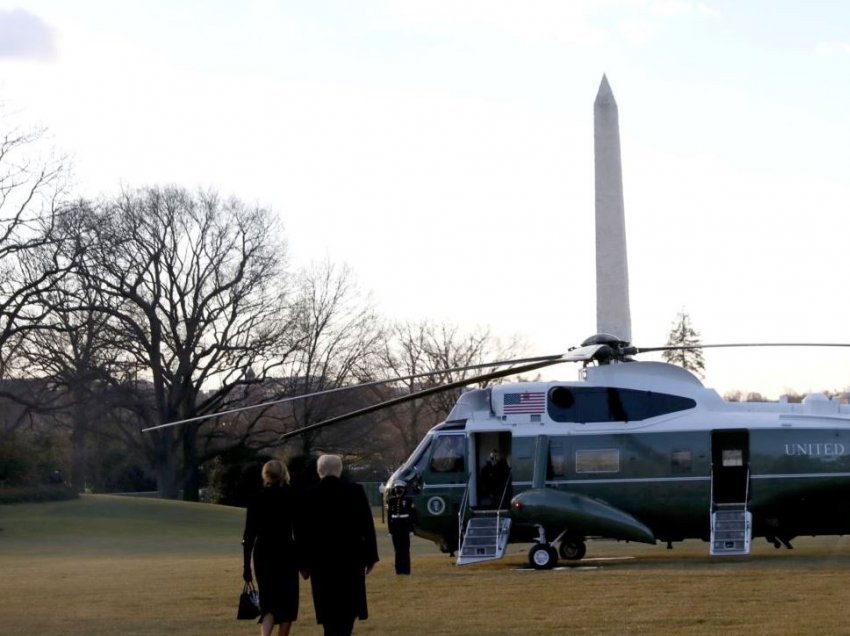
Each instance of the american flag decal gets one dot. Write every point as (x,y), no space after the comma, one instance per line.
(533,402)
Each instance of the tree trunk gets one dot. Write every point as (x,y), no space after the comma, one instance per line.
(166,482)
(191,470)
(78,454)
(167,467)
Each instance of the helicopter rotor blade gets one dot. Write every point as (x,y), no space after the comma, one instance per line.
(636,350)
(585,353)
(548,359)
(424,393)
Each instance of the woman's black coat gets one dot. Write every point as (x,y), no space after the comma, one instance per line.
(269,537)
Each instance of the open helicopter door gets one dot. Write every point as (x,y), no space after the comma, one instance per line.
(492,455)
(487,527)
(731,522)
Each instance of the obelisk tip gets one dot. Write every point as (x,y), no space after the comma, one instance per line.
(605,95)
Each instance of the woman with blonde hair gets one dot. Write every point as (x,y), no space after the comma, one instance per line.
(269,538)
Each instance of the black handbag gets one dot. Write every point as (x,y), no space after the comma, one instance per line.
(249,603)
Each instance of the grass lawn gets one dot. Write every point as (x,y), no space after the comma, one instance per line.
(114,565)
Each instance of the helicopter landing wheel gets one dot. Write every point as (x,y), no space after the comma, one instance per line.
(543,557)
(572,549)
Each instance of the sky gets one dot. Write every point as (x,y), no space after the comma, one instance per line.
(443,150)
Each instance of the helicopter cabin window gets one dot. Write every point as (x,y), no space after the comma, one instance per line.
(448,454)
(682,460)
(733,457)
(522,458)
(606,460)
(557,460)
(611,404)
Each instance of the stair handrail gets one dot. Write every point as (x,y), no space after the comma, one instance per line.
(499,508)
(711,505)
(461,514)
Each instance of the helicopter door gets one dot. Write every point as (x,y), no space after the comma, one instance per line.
(731,522)
(492,452)
(730,463)
(444,476)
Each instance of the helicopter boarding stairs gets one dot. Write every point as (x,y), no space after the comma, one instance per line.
(486,534)
(731,525)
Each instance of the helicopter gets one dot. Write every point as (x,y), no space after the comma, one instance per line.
(631,450)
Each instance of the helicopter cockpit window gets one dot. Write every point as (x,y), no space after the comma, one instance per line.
(419,458)
(611,404)
(448,454)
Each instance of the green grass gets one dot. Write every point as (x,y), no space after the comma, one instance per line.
(113,565)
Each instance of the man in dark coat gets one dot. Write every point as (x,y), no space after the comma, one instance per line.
(496,478)
(339,547)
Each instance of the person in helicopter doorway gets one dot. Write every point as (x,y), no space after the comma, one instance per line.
(400,524)
(496,477)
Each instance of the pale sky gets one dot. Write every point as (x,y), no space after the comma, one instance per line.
(444,151)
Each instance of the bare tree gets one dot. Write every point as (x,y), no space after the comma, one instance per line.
(79,363)
(339,335)
(734,396)
(31,184)
(30,187)
(195,294)
(427,347)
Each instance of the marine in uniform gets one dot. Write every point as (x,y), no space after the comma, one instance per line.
(400,524)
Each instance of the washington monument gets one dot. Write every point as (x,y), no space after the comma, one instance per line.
(612,269)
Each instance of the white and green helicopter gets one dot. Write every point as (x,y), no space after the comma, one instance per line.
(634,451)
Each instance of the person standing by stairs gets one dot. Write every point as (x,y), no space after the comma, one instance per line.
(496,479)
(400,524)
